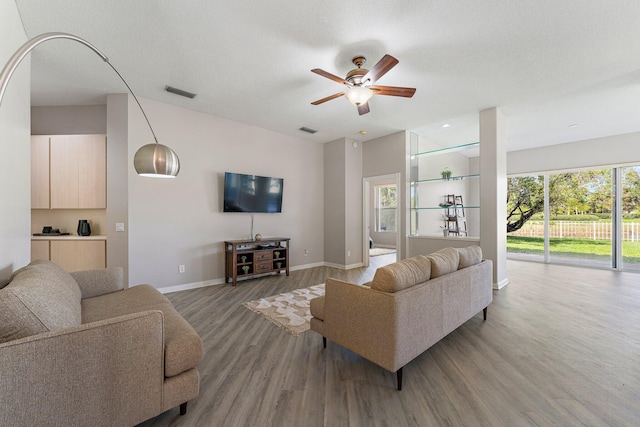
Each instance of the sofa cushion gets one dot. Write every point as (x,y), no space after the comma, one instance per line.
(183,346)
(402,274)
(471,255)
(40,297)
(444,261)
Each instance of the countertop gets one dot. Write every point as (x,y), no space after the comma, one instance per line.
(71,237)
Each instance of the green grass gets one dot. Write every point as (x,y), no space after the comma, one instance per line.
(582,248)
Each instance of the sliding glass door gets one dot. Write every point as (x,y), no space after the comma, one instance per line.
(589,218)
(630,209)
(580,225)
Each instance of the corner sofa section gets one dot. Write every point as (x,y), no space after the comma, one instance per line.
(79,349)
(408,306)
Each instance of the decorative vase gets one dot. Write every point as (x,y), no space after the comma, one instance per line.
(258,237)
(84,228)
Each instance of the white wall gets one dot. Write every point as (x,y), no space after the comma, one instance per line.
(15,247)
(610,150)
(180,221)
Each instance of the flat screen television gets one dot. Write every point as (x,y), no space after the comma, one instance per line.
(252,193)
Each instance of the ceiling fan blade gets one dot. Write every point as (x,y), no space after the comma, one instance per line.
(328,98)
(407,92)
(331,76)
(380,69)
(363,108)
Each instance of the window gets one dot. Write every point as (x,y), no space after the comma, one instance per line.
(588,217)
(385,202)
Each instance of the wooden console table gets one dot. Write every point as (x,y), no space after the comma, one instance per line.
(246,258)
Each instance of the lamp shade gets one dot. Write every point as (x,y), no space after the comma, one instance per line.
(358,95)
(157,161)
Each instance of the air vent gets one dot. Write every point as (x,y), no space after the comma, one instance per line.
(308,130)
(180,92)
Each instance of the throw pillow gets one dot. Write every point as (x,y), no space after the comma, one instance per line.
(444,261)
(469,256)
(40,297)
(402,274)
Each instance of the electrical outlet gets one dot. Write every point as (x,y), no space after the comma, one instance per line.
(181,268)
(348,253)
(306,252)
(119,226)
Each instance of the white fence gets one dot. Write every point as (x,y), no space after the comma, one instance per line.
(594,230)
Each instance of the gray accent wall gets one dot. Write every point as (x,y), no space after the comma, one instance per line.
(343,203)
(334,203)
(15,179)
(117,117)
(385,156)
(69,120)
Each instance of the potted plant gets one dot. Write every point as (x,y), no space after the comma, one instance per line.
(446,173)
(245,268)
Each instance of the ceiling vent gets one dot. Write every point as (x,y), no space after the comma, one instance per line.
(180,92)
(308,130)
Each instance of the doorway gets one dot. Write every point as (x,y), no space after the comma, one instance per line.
(382,199)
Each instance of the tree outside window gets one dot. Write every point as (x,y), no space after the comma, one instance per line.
(386,204)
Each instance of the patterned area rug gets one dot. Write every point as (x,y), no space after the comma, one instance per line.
(289,311)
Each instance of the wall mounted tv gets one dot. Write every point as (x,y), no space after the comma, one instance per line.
(252,193)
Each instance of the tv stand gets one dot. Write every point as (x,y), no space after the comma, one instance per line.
(248,258)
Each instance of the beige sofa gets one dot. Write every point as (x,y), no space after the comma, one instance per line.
(79,349)
(407,307)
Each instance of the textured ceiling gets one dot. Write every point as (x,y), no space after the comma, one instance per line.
(548,64)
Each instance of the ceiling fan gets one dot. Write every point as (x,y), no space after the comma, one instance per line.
(360,83)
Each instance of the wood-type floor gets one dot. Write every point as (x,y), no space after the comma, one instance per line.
(561,346)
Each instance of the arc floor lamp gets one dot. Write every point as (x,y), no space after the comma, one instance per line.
(154,160)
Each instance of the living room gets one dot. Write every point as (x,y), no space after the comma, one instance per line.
(172,223)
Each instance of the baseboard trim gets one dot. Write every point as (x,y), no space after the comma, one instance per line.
(501,284)
(342,266)
(305,266)
(187,286)
(221,281)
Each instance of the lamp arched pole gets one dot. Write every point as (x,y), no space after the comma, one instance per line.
(150,160)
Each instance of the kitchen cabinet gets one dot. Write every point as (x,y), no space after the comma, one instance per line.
(40,250)
(72,253)
(39,172)
(69,172)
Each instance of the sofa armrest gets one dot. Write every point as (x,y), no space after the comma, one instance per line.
(369,314)
(101,281)
(108,372)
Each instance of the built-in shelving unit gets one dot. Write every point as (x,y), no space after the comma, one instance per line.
(432,211)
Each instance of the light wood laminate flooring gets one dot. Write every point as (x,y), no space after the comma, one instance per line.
(561,346)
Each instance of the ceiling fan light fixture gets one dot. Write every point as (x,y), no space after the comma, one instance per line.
(156,161)
(358,95)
